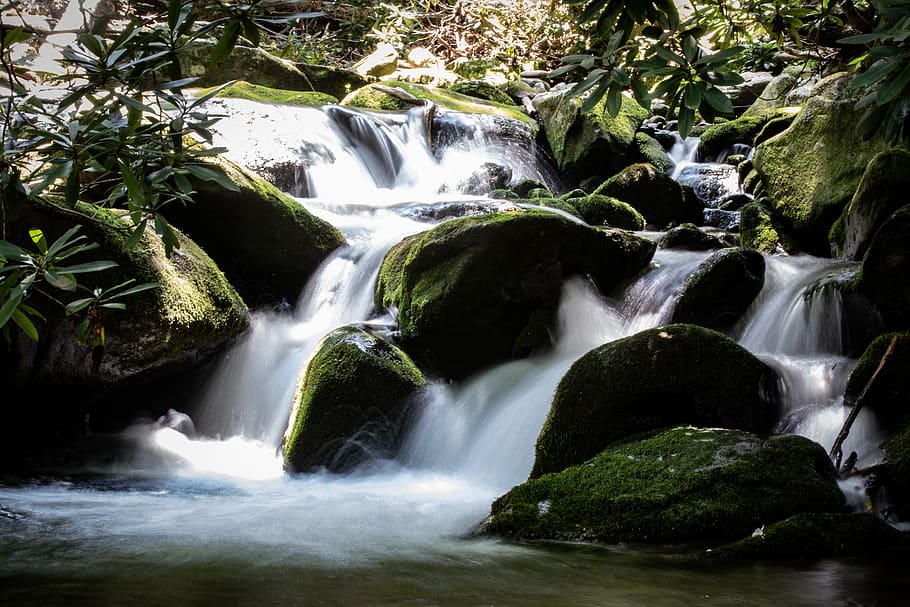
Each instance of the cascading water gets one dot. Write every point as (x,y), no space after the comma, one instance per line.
(390,531)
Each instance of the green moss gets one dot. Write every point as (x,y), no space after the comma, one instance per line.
(816,535)
(606,210)
(720,137)
(649,381)
(481,90)
(356,386)
(681,485)
(651,151)
(690,238)
(757,229)
(388,284)
(652,193)
(254,92)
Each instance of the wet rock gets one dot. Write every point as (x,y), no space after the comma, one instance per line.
(734,202)
(883,189)
(712,182)
(688,237)
(892,476)
(482,90)
(588,143)
(761,229)
(811,170)
(722,220)
(352,404)
(720,137)
(491,176)
(721,289)
(599,210)
(524,187)
(885,274)
(677,374)
(650,150)
(467,290)
(681,485)
(660,199)
(889,395)
(743,95)
(266,242)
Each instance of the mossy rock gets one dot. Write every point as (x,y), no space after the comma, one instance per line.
(600,210)
(721,137)
(266,242)
(592,142)
(467,290)
(660,199)
(192,314)
(649,150)
(811,171)
(883,189)
(889,395)
(552,203)
(524,187)
(682,485)
(885,274)
(677,374)
(721,289)
(816,535)
(689,238)
(242,89)
(352,404)
(256,66)
(396,96)
(762,229)
(893,474)
(482,90)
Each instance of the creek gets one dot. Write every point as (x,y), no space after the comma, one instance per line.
(213,518)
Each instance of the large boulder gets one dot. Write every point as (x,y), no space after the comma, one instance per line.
(660,199)
(192,314)
(684,484)
(811,170)
(599,210)
(677,374)
(352,404)
(721,137)
(265,241)
(721,289)
(889,395)
(241,89)
(764,230)
(588,143)
(479,290)
(883,189)
(688,237)
(885,275)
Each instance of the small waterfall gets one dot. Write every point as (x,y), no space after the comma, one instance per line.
(683,153)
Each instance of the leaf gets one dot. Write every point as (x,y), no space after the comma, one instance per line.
(10,251)
(716,99)
(37,237)
(593,78)
(136,235)
(686,121)
(64,241)
(591,10)
(893,87)
(78,305)
(692,96)
(207,174)
(877,71)
(721,57)
(11,304)
(137,289)
(60,281)
(25,324)
(226,42)
(614,99)
(91,266)
(133,187)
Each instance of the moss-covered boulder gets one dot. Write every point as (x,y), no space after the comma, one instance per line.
(720,137)
(482,90)
(241,89)
(721,289)
(471,290)
(688,237)
(816,535)
(352,403)
(677,374)
(266,242)
(889,394)
(259,67)
(685,484)
(811,170)
(588,143)
(599,210)
(762,229)
(660,199)
(885,274)
(649,150)
(193,312)
(883,189)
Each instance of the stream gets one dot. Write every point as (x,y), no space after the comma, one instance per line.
(213,519)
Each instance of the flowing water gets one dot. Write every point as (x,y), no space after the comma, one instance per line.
(212,518)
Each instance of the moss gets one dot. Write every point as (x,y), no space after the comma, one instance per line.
(354,398)
(889,395)
(816,535)
(681,485)
(690,238)
(720,137)
(660,199)
(552,203)
(599,210)
(388,283)
(242,89)
(652,383)
(651,151)
(370,97)
(481,90)
(757,230)
(524,187)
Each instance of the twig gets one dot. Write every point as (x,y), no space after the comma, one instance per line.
(836,450)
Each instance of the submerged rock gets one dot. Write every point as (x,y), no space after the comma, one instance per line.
(677,374)
(352,404)
(721,289)
(684,484)
(267,243)
(660,199)
(473,291)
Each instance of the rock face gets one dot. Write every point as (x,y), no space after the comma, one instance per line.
(479,290)
(811,170)
(267,243)
(588,143)
(680,485)
(352,404)
(889,395)
(193,313)
(885,275)
(660,199)
(883,189)
(719,292)
(677,374)
(894,472)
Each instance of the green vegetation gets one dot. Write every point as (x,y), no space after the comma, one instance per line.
(263,94)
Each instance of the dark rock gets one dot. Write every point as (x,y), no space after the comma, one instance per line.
(885,274)
(690,238)
(711,182)
(600,210)
(660,199)
(889,395)
(722,220)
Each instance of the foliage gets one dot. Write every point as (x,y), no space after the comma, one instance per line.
(115,133)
